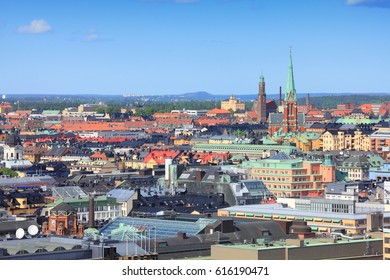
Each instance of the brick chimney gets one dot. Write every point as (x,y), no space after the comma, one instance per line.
(91,214)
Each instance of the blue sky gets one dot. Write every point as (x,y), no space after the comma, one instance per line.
(177,46)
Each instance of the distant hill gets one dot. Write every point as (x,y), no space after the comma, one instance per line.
(200,95)
(331,101)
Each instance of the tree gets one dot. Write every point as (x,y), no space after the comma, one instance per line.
(7,171)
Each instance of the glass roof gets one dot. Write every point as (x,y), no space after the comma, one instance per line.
(65,192)
(127,228)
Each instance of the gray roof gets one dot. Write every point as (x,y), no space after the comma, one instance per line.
(63,192)
(347,126)
(11,226)
(281,156)
(277,119)
(33,245)
(25,180)
(280,210)
(62,207)
(121,195)
(356,162)
(336,187)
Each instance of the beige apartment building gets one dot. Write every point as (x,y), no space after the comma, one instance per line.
(346,140)
(233,104)
(386,243)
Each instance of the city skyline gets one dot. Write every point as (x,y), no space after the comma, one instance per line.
(176,46)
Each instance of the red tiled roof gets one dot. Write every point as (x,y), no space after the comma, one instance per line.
(341,112)
(208,122)
(206,158)
(6,105)
(315,112)
(98,155)
(366,108)
(252,114)
(217,111)
(159,156)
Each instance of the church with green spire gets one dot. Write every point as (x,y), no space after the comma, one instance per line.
(289,121)
(290,109)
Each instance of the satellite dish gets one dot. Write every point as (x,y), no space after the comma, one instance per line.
(19,233)
(32,230)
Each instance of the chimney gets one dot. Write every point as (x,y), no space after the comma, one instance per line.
(280,96)
(181,235)
(308,102)
(199,175)
(91,215)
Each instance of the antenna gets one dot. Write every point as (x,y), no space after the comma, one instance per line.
(19,233)
(32,230)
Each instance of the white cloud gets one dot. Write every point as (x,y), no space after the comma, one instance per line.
(370,3)
(91,36)
(354,2)
(36,26)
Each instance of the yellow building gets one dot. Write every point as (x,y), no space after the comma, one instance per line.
(181,141)
(386,243)
(362,141)
(232,104)
(307,142)
(346,140)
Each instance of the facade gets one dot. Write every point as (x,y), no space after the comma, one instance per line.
(289,177)
(358,167)
(303,249)
(379,140)
(346,140)
(13,152)
(125,197)
(232,104)
(251,151)
(105,207)
(386,243)
(62,221)
(307,141)
(320,221)
(381,173)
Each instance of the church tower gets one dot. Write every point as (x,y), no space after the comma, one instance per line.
(260,105)
(290,110)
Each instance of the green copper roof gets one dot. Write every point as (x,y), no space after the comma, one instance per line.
(261,79)
(290,93)
(328,160)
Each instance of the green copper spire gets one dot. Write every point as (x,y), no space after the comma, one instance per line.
(290,93)
(261,78)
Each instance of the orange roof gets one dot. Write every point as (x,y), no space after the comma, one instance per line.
(205,158)
(170,115)
(315,112)
(341,112)
(209,122)
(217,111)
(6,126)
(98,155)
(366,108)
(6,105)
(159,156)
(175,122)
(252,114)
